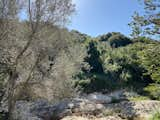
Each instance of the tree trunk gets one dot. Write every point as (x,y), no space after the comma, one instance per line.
(11,97)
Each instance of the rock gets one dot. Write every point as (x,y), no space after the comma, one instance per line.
(87,106)
(74,118)
(99,98)
(94,118)
(42,110)
(22,111)
(119,95)
(106,98)
(92,107)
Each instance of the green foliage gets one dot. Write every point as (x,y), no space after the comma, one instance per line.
(153,90)
(144,40)
(105,37)
(95,82)
(115,39)
(115,62)
(150,58)
(149,22)
(155,116)
(122,67)
(93,58)
(138,98)
(119,40)
(136,24)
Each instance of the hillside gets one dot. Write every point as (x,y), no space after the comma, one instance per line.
(50,72)
(113,62)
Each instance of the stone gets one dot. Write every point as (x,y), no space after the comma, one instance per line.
(85,108)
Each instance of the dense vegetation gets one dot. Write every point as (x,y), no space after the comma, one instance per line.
(113,61)
(40,59)
(133,65)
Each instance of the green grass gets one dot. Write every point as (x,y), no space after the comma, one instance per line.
(153,91)
(155,116)
(138,98)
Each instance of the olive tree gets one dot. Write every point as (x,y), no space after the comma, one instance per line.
(32,40)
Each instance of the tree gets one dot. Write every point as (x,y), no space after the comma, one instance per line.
(149,22)
(150,60)
(105,37)
(136,25)
(123,69)
(119,40)
(42,18)
(93,58)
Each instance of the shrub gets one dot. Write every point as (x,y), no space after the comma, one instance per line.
(155,116)
(153,90)
(96,83)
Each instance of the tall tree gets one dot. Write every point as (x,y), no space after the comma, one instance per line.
(42,15)
(94,58)
(149,22)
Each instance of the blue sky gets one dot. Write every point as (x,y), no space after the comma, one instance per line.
(96,17)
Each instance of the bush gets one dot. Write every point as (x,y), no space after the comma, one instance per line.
(96,83)
(153,90)
(155,116)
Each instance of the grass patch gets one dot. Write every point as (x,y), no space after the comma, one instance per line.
(155,116)
(138,98)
